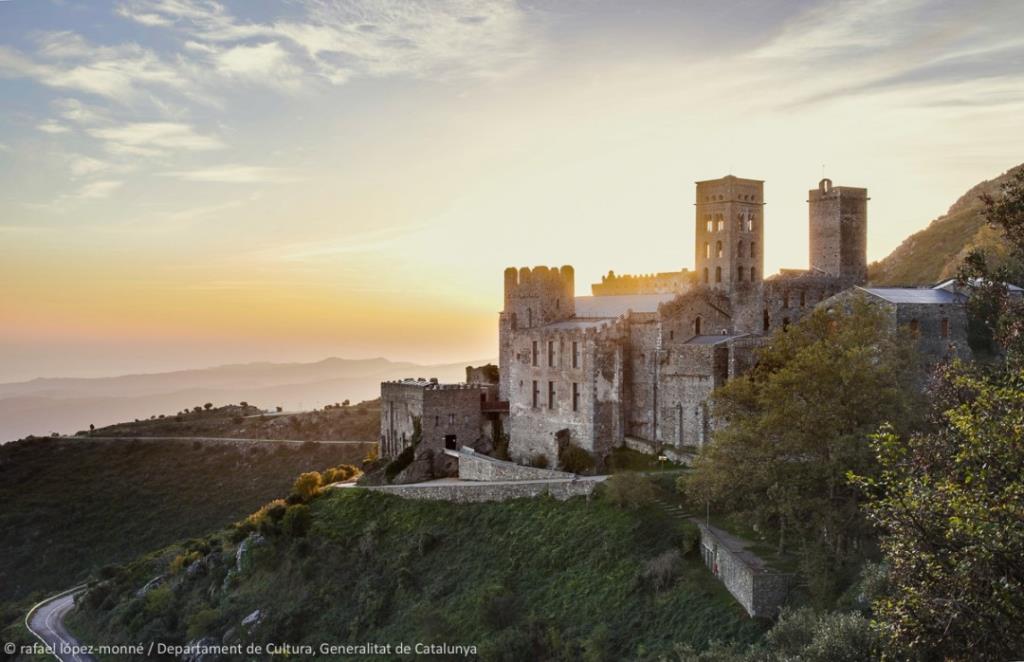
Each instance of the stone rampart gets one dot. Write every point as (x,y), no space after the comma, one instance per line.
(458,491)
(474,466)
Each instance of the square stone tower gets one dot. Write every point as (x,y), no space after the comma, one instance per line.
(839,231)
(730,232)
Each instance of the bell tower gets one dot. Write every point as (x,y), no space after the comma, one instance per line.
(730,232)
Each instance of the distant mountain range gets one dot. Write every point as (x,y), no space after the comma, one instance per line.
(935,253)
(67,405)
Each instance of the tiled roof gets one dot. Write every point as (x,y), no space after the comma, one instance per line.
(914,295)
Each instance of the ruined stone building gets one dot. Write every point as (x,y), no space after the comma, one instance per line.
(635,363)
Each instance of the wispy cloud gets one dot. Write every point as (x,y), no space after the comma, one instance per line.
(99,189)
(154,138)
(233,174)
(52,127)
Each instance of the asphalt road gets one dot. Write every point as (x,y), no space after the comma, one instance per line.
(46,621)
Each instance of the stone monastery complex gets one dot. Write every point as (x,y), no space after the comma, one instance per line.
(635,363)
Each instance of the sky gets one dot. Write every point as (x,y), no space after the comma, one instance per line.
(187,183)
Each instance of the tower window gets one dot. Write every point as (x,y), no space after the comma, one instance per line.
(739,249)
(533,354)
(575,354)
(721,224)
(696,326)
(536,394)
(944,328)
(551,395)
(718,274)
(753,249)
(739,274)
(707,249)
(705,274)
(529,317)
(718,249)
(551,353)
(750,222)
(711,228)
(575,396)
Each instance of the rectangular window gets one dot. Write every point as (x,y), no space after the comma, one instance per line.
(551,353)
(536,394)
(575,396)
(437,421)
(451,419)
(551,395)
(575,354)
(534,353)
(944,328)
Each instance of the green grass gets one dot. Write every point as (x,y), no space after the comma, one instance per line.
(626,459)
(525,579)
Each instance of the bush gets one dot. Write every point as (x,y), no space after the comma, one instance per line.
(338,474)
(184,560)
(628,490)
(661,571)
(576,460)
(396,465)
(297,520)
(539,461)
(203,623)
(690,538)
(307,486)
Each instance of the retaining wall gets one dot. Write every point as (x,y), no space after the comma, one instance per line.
(469,492)
(760,590)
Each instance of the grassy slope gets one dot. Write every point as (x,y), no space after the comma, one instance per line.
(360,422)
(527,579)
(70,507)
(936,252)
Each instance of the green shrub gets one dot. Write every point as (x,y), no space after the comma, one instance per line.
(338,474)
(628,490)
(203,623)
(574,459)
(661,571)
(400,462)
(297,520)
(539,461)
(184,560)
(689,542)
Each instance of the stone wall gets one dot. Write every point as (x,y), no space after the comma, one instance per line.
(401,403)
(760,590)
(469,492)
(451,416)
(660,283)
(474,466)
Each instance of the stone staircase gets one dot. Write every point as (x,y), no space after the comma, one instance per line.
(673,510)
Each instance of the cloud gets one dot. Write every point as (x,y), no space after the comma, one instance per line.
(97,190)
(84,166)
(74,110)
(265,63)
(52,127)
(154,138)
(232,174)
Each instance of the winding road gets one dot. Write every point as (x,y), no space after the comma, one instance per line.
(46,622)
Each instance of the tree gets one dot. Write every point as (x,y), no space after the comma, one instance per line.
(798,422)
(950,504)
(208,406)
(307,486)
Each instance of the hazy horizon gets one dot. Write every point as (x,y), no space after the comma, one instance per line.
(188,183)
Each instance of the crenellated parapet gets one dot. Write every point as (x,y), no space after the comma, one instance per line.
(538,296)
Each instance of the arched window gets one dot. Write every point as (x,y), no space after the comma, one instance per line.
(753,249)
(711,228)
(707,249)
(767,320)
(705,274)
(718,274)
(696,326)
(752,275)
(739,274)
(803,298)
(739,249)
(514,324)
(721,224)
(750,222)
(718,249)
(529,318)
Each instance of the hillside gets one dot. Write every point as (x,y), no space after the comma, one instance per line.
(44,406)
(935,253)
(359,422)
(526,579)
(73,506)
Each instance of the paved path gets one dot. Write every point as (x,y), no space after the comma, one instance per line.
(46,622)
